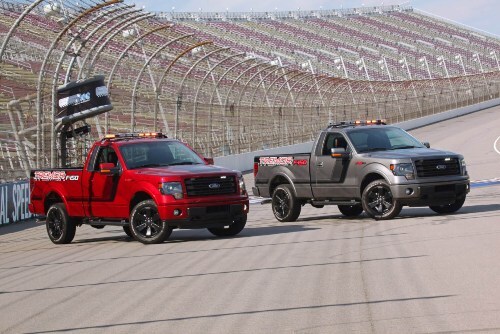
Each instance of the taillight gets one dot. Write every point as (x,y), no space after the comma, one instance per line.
(255,168)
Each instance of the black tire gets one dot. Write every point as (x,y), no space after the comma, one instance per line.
(127,231)
(378,202)
(146,225)
(236,227)
(351,210)
(286,207)
(60,227)
(449,208)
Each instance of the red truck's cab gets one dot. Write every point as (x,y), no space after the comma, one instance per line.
(147,183)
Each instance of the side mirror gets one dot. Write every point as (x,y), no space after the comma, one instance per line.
(426,144)
(340,153)
(209,161)
(108,168)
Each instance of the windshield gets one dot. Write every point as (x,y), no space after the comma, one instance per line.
(371,139)
(158,154)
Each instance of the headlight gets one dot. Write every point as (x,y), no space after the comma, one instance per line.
(243,188)
(405,170)
(464,167)
(172,188)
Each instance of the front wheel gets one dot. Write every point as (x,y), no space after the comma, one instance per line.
(449,208)
(60,227)
(351,210)
(286,207)
(127,231)
(236,227)
(146,225)
(378,201)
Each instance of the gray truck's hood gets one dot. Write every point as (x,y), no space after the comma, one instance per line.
(413,153)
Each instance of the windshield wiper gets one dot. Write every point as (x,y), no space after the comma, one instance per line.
(184,163)
(150,165)
(404,147)
(374,149)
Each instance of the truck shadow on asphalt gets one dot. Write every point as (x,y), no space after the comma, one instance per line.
(180,236)
(406,213)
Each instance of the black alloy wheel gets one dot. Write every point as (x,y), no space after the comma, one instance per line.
(378,201)
(60,227)
(286,207)
(146,225)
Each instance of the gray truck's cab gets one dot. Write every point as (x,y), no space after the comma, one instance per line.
(363,167)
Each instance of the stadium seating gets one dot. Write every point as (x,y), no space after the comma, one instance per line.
(231,105)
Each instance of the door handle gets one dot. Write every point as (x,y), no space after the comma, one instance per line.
(319,164)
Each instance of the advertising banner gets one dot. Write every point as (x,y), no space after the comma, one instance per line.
(14,200)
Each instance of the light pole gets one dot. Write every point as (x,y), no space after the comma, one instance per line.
(383,65)
(494,55)
(361,65)
(476,58)
(442,61)
(404,63)
(460,61)
(339,63)
(425,63)
(309,64)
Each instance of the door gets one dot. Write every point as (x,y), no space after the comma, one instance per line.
(328,173)
(100,189)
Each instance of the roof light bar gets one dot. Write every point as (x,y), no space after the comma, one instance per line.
(357,123)
(135,135)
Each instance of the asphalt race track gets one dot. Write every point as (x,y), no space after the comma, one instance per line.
(419,273)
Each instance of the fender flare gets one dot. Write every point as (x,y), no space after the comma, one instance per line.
(284,173)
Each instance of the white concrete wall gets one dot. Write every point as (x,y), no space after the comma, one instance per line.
(244,161)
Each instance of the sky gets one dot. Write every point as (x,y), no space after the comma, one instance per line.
(479,14)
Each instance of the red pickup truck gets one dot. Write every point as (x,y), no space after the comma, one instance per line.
(147,183)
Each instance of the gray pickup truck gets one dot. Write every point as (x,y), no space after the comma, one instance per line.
(363,166)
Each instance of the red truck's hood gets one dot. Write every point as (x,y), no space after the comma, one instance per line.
(184,170)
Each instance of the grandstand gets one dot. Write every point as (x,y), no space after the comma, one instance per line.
(228,83)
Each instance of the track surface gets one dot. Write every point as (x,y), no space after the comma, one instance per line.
(322,274)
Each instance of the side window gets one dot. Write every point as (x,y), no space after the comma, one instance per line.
(334,140)
(105,154)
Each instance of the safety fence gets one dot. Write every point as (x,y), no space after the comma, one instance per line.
(161,78)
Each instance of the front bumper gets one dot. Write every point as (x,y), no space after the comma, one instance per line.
(215,214)
(426,194)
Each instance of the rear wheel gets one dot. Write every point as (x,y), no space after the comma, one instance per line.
(351,210)
(286,207)
(378,201)
(146,225)
(236,227)
(449,208)
(60,227)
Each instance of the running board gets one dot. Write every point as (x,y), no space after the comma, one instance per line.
(99,222)
(328,202)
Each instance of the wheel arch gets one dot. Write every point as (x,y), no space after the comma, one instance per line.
(139,197)
(369,178)
(51,198)
(279,179)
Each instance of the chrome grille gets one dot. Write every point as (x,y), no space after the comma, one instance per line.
(437,167)
(206,186)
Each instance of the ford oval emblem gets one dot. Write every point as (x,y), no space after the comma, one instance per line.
(441,167)
(214,185)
